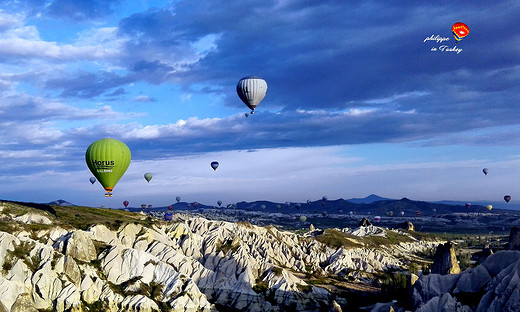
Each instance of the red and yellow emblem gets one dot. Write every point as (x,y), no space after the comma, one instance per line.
(459,30)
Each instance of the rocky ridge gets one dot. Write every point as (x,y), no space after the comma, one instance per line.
(190,264)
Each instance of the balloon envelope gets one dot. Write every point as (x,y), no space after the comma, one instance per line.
(148,176)
(168,216)
(303,219)
(125,203)
(507,198)
(489,207)
(459,30)
(219,203)
(178,198)
(108,160)
(214,165)
(92,180)
(251,90)
(485,170)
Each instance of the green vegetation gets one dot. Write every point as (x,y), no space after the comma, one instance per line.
(277,271)
(226,246)
(69,216)
(260,286)
(336,239)
(20,251)
(304,288)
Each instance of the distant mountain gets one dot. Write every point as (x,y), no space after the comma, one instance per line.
(367,200)
(60,202)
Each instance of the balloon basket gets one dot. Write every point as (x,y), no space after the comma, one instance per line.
(109,195)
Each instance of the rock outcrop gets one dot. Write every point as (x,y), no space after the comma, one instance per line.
(190,265)
(514,239)
(445,260)
(493,286)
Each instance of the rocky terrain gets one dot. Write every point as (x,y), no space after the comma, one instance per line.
(56,258)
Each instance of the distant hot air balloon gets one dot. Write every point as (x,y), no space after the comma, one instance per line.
(507,198)
(251,91)
(148,176)
(468,205)
(287,203)
(262,207)
(303,219)
(170,207)
(401,213)
(125,203)
(298,206)
(390,213)
(219,203)
(143,206)
(434,210)
(246,114)
(489,207)
(92,180)
(485,170)
(459,30)
(178,198)
(324,198)
(214,165)
(150,206)
(377,218)
(108,160)
(168,216)
(278,206)
(196,204)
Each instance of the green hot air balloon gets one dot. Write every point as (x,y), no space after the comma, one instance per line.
(108,160)
(148,176)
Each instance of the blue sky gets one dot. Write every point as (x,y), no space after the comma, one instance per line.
(357,101)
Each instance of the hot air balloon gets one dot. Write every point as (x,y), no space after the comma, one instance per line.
(468,205)
(278,206)
(214,165)
(168,216)
(219,203)
(324,198)
(148,176)
(459,30)
(303,219)
(178,198)
(401,213)
(108,160)
(485,170)
(298,206)
(143,206)
(262,207)
(507,198)
(251,91)
(377,218)
(150,206)
(125,203)
(246,114)
(196,204)
(92,180)
(489,207)
(170,207)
